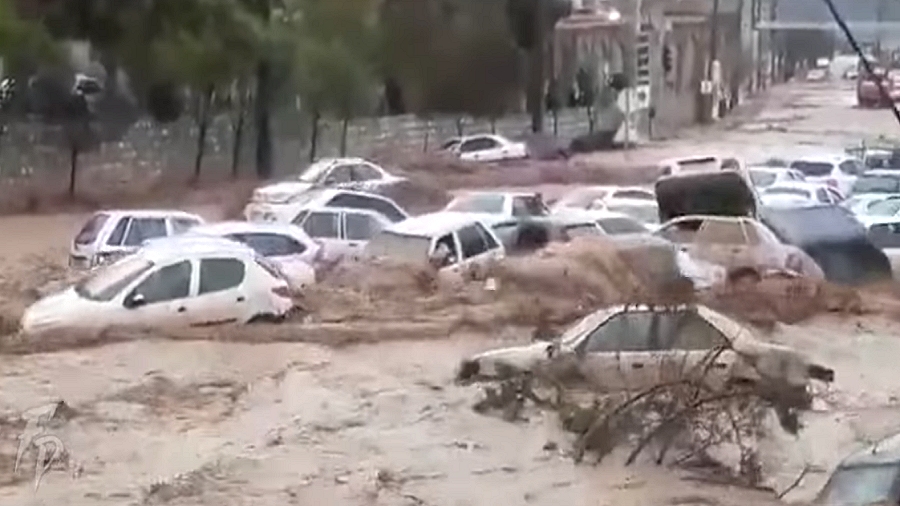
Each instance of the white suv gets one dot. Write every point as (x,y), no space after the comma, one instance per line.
(108,235)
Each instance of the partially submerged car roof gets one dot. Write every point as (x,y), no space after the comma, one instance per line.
(722,193)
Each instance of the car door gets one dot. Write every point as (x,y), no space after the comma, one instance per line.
(161,297)
(619,353)
(324,226)
(473,248)
(692,347)
(358,229)
(221,294)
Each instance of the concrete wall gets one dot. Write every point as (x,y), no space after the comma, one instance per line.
(32,148)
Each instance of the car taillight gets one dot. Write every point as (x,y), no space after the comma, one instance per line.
(832,182)
(282,291)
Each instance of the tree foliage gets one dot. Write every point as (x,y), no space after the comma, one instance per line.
(21,38)
(524,15)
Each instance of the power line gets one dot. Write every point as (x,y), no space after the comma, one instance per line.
(865,61)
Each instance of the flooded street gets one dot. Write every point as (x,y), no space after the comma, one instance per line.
(209,422)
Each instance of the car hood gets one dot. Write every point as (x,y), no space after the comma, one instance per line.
(723,193)
(62,309)
(499,362)
(280,193)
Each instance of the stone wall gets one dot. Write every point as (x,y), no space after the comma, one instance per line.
(33,148)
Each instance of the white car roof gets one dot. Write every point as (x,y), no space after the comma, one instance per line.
(709,217)
(237,227)
(150,213)
(801,185)
(504,194)
(883,173)
(773,170)
(432,224)
(317,207)
(165,249)
(869,220)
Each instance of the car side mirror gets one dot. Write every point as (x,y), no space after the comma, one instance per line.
(135,300)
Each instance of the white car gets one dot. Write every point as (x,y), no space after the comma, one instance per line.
(799,194)
(763,177)
(287,212)
(703,163)
(860,204)
(108,235)
(839,171)
(288,246)
(341,231)
(886,208)
(453,242)
(884,232)
(347,173)
(486,148)
(587,197)
(198,283)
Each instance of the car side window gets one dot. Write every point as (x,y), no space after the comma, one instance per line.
(171,282)
(688,331)
(219,274)
(849,167)
(181,225)
(478,144)
(365,172)
(145,228)
(527,206)
(322,224)
(271,245)
(339,175)
(360,227)
(626,331)
(445,247)
(353,201)
(471,242)
(118,233)
(487,237)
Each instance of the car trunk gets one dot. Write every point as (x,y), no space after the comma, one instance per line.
(724,193)
(834,239)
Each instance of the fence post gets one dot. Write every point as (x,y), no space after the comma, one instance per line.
(459,126)
(427,135)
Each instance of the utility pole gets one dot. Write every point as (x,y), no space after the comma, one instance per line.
(713,55)
(879,17)
(537,68)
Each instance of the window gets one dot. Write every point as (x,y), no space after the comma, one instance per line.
(813,169)
(528,206)
(471,242)
(691,332)
(181,225)
(321,224)
(450,144)
(168,283)
(627,331)
(487,237)
(478,144)
(218,274)
(404,248)
(822,196)
(90,230)
(355,201)
(360,227)
(298,220)
(730,164)
(876,184)
(105,283)
(145,228)
(615,226)
(339,175)
(365,172)
(490,203)
(115,238)
(863,484)
(762,178)
(851,167)
(888,207)
(445,248)
(269,244)
(720,232)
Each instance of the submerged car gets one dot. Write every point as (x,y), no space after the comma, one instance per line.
(112,234)
(870,476)
(834,238)
(485,148)
(799,193)
(345,173)
(635,347)
(287,212)
(200,283)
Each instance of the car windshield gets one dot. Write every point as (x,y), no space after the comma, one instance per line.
(813,169)
(482,203)
(106,282)
(642,213)
(762,178)
(888,207)
(88,233)
(877,184)
(783,190)
(614,226)
(402,247)
(861,485)
(314,172)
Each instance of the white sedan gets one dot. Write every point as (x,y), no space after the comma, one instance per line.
(200,283)
(288,246)
(763,177)
(799,194)
(486,148)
